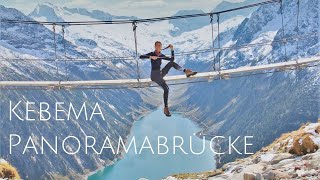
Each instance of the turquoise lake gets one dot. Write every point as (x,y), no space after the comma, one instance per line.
(157,166)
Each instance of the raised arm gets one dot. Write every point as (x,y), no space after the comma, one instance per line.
(169,58)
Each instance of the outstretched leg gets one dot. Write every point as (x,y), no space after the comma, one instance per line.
(171,64)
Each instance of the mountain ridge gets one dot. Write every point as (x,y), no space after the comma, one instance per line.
(50,11)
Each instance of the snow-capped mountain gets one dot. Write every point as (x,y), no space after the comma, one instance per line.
(264,105)
(185,25)
(50,12)
(118,40)
(226,5)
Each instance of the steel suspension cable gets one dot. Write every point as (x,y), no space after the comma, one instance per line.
(219,46)
(212,39)
(283,35)
(63,40)
(54,40)
(55,48)
(134,26)
(0,29)
(298,29)
(65,53)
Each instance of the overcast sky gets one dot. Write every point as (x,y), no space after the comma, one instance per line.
(139,8)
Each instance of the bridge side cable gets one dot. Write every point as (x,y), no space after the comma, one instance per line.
(283,35)
(55,48)
(212,39)
(298,29)
(65,53)
(219,46)
(134,27)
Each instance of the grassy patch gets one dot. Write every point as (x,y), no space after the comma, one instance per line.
(9,172)
(200,175)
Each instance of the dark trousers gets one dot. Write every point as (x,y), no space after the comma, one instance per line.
(157,77)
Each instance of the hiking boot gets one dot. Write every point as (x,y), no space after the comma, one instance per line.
(166,111)
(189,72)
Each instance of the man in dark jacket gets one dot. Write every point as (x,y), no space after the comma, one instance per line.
(157,73)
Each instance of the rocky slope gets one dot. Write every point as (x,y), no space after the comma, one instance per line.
(295,155)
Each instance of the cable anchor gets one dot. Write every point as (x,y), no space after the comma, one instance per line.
(211,18)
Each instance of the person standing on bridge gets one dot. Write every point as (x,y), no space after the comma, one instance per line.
(157,73)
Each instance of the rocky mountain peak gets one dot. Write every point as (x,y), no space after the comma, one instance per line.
(46,10)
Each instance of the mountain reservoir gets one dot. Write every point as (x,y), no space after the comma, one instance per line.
(155,166)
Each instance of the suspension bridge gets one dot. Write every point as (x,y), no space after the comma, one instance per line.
(217,72)
(223,74)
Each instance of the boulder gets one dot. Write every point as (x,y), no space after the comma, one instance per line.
(294,175)
(256,160)
(249,176)
(259,177)
(314,164)
(237,169)
(281,156)
(275,174)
